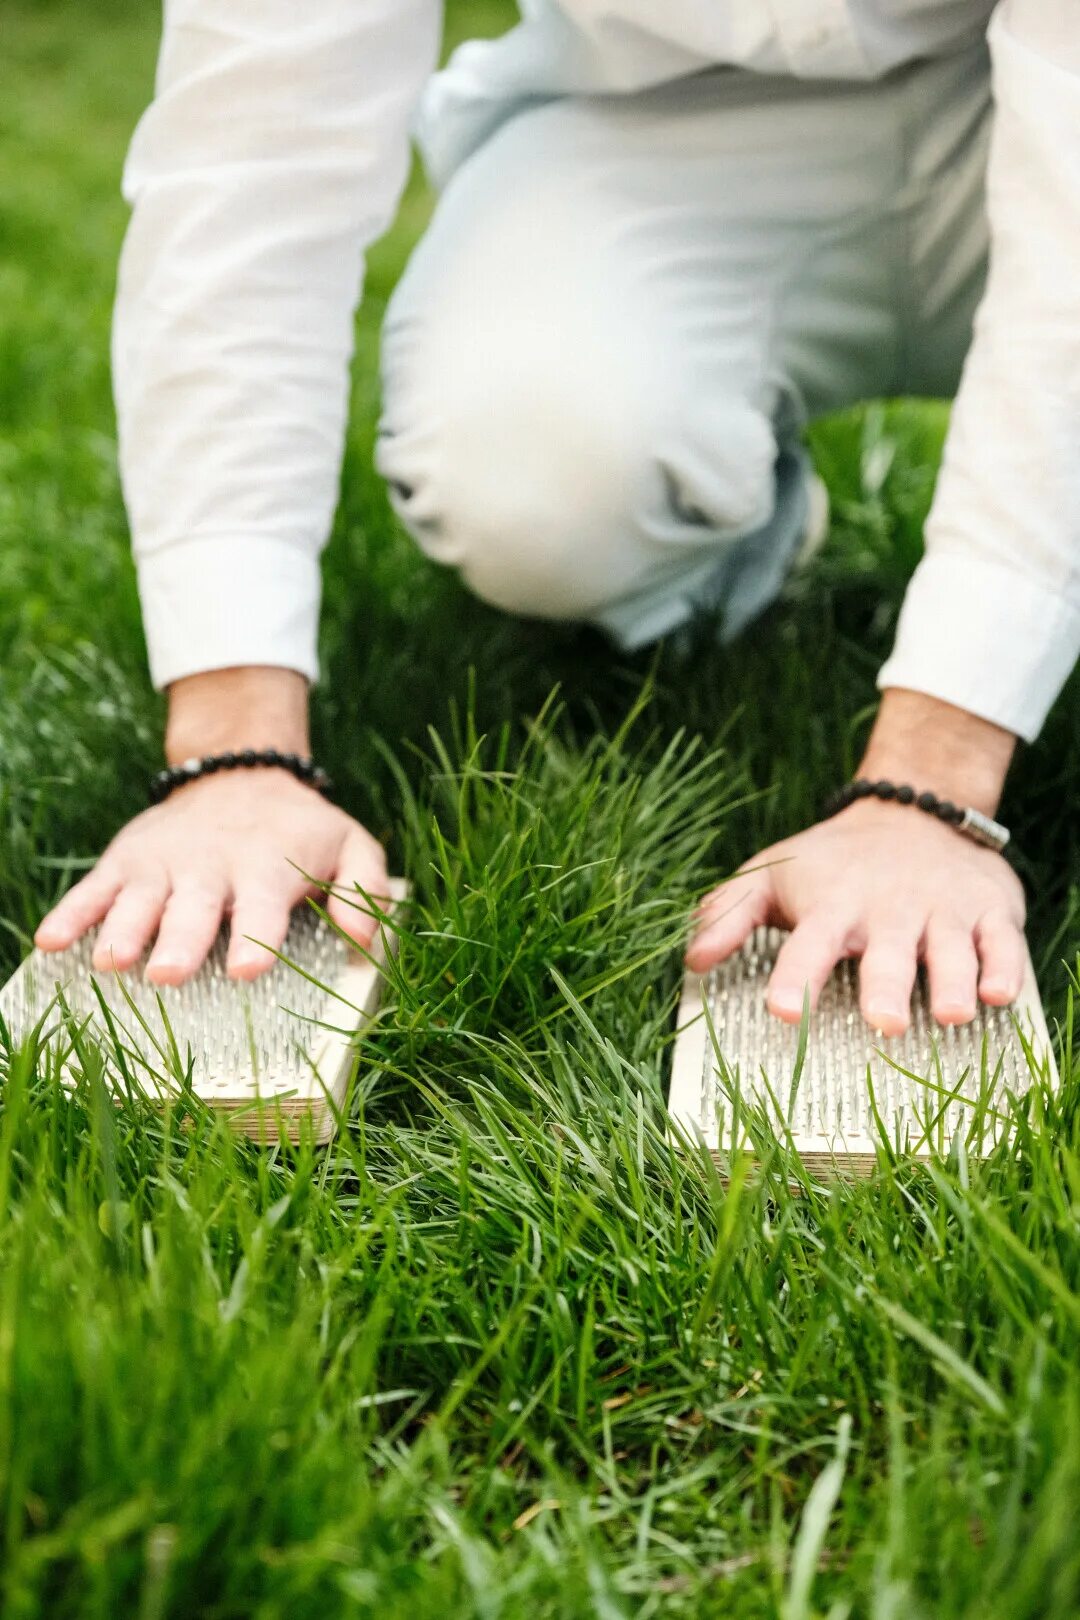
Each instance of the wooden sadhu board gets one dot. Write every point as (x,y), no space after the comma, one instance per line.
(856,1087)
(270,1053)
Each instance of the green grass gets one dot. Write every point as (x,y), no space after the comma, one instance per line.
(501,1351)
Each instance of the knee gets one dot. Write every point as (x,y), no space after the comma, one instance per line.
(514,459)
(557,481)
(540,435)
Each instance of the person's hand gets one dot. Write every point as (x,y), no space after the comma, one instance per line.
(229,844)
(886,884)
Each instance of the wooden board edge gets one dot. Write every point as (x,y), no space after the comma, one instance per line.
(360,987)
(687,1056)
(1028,1006)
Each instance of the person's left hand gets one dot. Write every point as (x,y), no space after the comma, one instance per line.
(891,886)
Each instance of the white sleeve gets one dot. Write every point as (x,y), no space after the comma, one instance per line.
(274,152)
(991,620)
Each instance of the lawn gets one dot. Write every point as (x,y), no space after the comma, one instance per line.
(501,1351)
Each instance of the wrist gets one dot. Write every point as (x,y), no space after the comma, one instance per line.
(223,710)
(936,747)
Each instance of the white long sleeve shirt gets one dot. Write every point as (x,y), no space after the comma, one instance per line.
(274,153)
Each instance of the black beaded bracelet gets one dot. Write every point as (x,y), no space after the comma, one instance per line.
(190,770)
(972,823)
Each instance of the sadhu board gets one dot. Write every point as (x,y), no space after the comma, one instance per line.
(855,1089)
(275,1054)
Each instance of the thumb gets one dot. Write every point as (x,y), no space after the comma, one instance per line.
(729,916)
(361,888)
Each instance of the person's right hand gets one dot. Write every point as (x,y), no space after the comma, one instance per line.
(229,845)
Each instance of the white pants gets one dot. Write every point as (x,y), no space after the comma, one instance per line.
(599,359)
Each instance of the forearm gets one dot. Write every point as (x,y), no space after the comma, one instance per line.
(274,152)
(939,748)
(256,706)
(991,620)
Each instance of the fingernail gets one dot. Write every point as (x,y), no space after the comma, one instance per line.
(785,1001)
(955,1013)
(887,1020)
(246,967)
(165,966)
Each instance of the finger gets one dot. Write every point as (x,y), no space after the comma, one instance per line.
(887,976)
(84,905)
(130,924)
(729,917)
(1002,951)
(953,969)
(362,866)
(718,900)
(804,962)
(188,928)
(260,924)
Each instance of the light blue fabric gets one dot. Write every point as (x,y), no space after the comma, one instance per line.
(619,47)
(599,361)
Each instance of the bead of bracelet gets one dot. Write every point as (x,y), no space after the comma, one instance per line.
(902,793)
(190,770)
